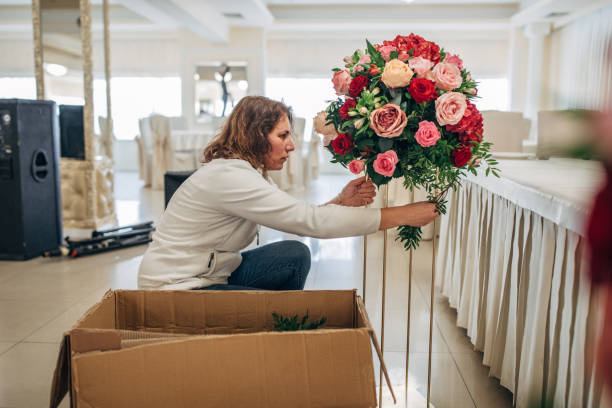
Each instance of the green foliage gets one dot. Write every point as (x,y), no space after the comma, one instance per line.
(375,56)
(282,323)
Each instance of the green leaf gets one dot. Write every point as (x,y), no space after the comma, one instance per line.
(394,54)
(336,69)
(291,324)
(385,144)
(375,56)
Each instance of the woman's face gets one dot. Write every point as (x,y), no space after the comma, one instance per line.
(280,145)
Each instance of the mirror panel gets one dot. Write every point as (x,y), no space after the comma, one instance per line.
(219,87)
(62,51)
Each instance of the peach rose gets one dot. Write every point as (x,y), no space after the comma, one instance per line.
(341,81)
(396,74)
(356,166)
(385,163)
(447,76)
(386,50)
(450,108)
(328,131)
(420,66)
(327,139)
(428,134)
(388,120)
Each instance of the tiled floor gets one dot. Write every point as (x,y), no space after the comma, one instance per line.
(41,298)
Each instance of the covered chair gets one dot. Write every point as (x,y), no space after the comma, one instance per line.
(561,131)
(174,148)
(311,159)
(506,130)
(145,151)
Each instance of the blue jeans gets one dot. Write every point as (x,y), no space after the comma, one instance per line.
(278,266)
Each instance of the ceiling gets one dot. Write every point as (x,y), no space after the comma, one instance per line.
(212,19)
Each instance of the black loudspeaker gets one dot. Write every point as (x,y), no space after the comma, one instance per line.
(72,134)
(172,181)
(30,201)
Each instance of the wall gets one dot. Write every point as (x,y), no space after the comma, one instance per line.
(315,54)
(20,48)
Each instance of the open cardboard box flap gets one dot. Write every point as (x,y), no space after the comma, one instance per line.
(189,348)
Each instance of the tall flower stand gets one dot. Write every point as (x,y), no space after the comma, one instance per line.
(383,305)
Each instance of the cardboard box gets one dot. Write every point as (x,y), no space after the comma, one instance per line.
(217,349)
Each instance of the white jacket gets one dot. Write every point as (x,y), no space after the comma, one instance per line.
(215,213)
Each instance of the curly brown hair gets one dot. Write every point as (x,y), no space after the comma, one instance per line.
(245,133)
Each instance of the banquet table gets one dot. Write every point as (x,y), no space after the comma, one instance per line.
(511,259)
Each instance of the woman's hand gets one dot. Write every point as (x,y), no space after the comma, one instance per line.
(357,193)
(416,214)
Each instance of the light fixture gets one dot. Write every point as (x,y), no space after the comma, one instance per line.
(55,69)
(196,76)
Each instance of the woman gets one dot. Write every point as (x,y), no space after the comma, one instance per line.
(216,212)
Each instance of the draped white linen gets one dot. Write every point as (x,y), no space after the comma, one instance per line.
(511,260)
(589,41)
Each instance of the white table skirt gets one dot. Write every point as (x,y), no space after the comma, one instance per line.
(511,260)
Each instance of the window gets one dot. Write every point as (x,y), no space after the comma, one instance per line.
(306,96)
(133,98)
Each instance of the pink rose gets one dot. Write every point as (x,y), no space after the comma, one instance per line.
(356,166)
(341,81)
(363,60)
(388,120)
(428,133)
(447,76)
(385,163)
(450,108)
(420,65)
(386,50)
(454,59)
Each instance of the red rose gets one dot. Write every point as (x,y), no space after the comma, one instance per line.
(599,233)
(357,85)
(422,90)
(461,155)
(373,70)
(469,127)
(343,144)
(428,50)
(344,110)
(419,46)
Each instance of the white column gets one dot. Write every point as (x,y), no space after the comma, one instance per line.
(517,69)
(536,33)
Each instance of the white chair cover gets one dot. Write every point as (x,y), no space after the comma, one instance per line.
(559,131)
(506,130)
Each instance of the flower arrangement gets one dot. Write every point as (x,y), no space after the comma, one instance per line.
(404,110)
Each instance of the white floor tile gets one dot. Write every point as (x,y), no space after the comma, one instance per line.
(447,386)
(26,372)
(4,346)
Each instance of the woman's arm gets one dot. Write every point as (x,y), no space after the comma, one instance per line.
(416,215)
